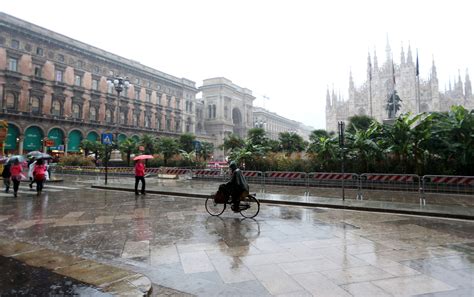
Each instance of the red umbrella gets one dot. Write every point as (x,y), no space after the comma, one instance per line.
(143,157)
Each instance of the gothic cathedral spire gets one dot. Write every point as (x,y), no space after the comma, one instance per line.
(388,51)
(467,86)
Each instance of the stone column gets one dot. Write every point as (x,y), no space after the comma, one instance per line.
(20,144)
(66,140)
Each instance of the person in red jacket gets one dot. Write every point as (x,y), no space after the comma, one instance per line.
(16,170)
(39,175)
(139,176)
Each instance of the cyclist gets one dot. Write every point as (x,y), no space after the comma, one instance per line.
(236,186)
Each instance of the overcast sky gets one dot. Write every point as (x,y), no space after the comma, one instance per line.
(289,51)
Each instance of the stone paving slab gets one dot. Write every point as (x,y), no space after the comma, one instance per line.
(109,279)
(284,251)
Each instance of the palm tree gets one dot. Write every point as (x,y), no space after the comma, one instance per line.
(206,151)
(87,146)
(148,142)
(128,146)
(400,140)
(168,147)
(291,142)
(186,142)
(324,151)
(362,143)
(455,134)
(232,141)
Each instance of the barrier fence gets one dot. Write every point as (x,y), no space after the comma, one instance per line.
(389,182)
(448,184)
(364,182)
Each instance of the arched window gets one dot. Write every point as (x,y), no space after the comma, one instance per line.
(56,108)
(209,113)
(108,116)
(178,125)
(11,101)
(135,120)
(122,118)
(76,111)
(35,105)
(147,122)
(214,111)
(93,114)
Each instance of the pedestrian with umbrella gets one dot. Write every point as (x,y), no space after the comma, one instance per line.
(140,171)
(39,174)
(15,171)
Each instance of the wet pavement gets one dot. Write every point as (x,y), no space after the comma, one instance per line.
(19,279)
(284,251)
(435,204)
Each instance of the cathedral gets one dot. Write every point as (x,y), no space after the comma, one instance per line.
(417,94)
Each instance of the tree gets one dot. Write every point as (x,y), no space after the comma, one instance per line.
(317,134)
(257,136)
(360,122)
(87,146)
(128,146)
(148,142)
(362,144)
(232,142)
(247,153)
(167,146)
(324,151)
(207,149)
(186,142)
(454,133)
(291,142)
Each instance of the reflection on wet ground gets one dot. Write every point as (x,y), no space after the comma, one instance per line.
(19,279)
(285,251)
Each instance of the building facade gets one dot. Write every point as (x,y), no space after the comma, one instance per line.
(274,124)
(227,108)
(54,87)
(417,94)
(55,92)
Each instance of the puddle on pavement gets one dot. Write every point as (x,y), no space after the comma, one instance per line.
(19,279)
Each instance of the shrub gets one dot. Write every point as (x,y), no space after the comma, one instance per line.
(75,160)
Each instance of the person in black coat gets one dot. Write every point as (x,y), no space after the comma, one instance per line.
(236,186)
(6,174)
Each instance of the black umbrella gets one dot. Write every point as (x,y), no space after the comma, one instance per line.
(12,159)
(42,156)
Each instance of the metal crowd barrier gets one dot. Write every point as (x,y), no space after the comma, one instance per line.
(363,182)
(332,180)
(389,182)
(448,184)
(208,174)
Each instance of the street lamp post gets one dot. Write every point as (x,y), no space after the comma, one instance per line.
(119,83)
(259,124)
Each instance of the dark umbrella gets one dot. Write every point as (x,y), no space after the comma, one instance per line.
(12,159)
(43,156)
(33,154)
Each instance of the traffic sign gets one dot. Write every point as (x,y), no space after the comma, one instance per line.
(106,138)
(49,142)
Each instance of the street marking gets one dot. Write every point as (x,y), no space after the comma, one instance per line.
(60,187)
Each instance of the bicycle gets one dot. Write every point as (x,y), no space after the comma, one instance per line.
(249,205)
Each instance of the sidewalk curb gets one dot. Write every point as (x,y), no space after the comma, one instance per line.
(310,204)
(108,279)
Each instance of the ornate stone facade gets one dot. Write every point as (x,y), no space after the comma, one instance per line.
(227,109)
(274,124)
(371,97)
(52,86)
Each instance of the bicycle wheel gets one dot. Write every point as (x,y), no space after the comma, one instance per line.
(214,209)
(249,207)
